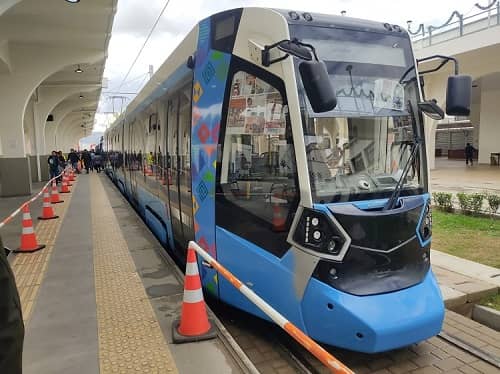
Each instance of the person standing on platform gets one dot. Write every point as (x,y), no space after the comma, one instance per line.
(53,162)
(92,158)
(97,162)
(73,159)
(62,163)
(86,159)
(11,320)
(469,154)
(150,160)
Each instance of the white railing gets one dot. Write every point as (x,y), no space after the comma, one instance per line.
(457,25)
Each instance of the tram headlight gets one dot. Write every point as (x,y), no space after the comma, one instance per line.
(331,246)
(426,225)
(316,231)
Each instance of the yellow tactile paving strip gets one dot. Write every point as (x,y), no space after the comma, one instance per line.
(130,337)
(29,268)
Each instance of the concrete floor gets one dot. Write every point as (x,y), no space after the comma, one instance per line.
(454,176)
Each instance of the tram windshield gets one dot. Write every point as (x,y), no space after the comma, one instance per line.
(358,150)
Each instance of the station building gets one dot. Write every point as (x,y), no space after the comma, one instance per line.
(475,42)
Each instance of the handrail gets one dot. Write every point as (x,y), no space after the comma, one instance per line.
(426,32)
(333,364)
(36,196)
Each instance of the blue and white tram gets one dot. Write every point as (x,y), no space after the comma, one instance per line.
(291,146)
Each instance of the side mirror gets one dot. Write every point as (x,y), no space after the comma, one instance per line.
(458,95)
(431,109)
(317,86)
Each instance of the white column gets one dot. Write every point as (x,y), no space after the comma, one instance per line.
(490,125)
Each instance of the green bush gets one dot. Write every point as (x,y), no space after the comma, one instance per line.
(476,202)
(443,200)
(493,202)
(464,201)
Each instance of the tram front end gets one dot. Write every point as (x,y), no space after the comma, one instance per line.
(369,219)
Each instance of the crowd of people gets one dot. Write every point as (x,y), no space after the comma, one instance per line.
(84,160)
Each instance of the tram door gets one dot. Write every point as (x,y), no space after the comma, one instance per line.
(134,164)
(179,165)
(184,157)
(172,167)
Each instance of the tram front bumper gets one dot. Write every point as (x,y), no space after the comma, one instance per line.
(374,323)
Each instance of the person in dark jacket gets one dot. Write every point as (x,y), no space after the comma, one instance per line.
(53,162)
(86,160)
(73,158)
(469,154)
(11,320)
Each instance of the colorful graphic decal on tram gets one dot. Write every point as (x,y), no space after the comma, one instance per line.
(208,91)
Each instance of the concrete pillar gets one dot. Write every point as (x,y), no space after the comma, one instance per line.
(15,173)
(475,120)
(490,125)
(435,88)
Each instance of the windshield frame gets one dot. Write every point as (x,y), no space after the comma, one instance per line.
(410,79)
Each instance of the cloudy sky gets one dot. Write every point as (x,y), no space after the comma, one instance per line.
(134,20)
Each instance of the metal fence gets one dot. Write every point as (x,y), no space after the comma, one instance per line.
(457,25)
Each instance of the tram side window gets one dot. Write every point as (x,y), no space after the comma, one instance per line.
(258,173)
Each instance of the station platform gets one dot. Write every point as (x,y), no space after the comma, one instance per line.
(102,296)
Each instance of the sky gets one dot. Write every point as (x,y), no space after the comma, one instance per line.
(134,19)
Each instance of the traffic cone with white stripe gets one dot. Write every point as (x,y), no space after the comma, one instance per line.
(64,185)
(66,174)
(54,196)
(71,175)
(194,324)
(28,237)
(47,211)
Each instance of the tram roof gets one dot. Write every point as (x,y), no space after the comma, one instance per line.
(294,17)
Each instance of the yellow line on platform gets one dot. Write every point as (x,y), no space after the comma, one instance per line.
(130,337)
(29,268)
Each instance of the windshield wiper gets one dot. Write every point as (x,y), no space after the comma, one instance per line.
(391,203)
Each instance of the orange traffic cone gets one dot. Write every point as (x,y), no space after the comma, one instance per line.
(28,237)
(66,174)
(194,324)
(54,196)
(64,186)
(71,175)
(47,211)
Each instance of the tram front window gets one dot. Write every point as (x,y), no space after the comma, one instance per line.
(359,158)
(358,150)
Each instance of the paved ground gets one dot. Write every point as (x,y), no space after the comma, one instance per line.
(454,176)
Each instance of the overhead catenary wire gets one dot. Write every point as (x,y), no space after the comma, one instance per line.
(127,83)
(144,44)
